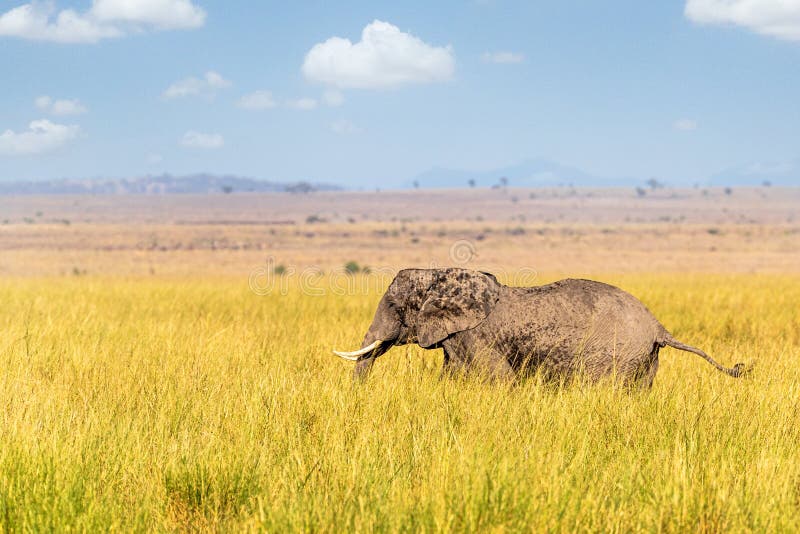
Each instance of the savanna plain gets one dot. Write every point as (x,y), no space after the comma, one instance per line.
(165,365)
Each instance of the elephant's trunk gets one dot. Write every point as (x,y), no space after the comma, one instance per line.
(370,352)
(382,334)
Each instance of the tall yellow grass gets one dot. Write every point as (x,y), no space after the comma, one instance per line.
(140,404)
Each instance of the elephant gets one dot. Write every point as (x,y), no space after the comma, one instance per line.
(563,330)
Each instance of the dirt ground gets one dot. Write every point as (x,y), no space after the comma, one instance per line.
(565,231)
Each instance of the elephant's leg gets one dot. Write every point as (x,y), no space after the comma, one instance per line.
(650,374)
(453,365)
(468,353)
(492,365)
(644,375)
(498,369)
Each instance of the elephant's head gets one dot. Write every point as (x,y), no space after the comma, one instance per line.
(426,306)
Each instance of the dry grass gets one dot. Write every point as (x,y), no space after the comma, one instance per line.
(160,404)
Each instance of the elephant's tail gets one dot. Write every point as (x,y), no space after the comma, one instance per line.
(736,371)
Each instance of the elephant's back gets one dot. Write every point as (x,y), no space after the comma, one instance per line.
(597,324)
(580,296)
(610,308)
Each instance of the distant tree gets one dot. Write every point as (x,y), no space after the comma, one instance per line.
(766,183)
(504,181)
(654,184)
(471,182)
(227,189)
(728,191)
(641,191)
(416,184)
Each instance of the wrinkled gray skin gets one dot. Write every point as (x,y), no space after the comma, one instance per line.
(560,329)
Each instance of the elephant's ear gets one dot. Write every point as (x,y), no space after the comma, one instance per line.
(457,300)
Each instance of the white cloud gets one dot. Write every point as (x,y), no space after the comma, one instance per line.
(302,103)
(333,98)
(344,126)
(776,18)
(41,136)
(39,21)
(193,139)
(502,57)
(160,14)
(42,21)
(67,107)
(60,107)
(206,86)
(385,57)
(257,101)
(685,125)
(43,102)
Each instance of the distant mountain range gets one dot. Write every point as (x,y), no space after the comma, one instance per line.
(529,173)
(159,185)
(546,173)
(785,174)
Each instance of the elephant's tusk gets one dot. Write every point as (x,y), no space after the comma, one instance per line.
(355,355)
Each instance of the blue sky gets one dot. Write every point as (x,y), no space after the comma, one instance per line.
(678,90)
